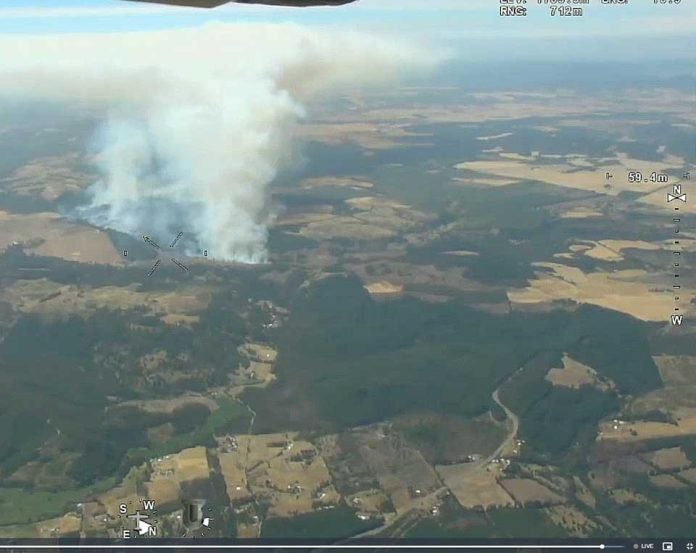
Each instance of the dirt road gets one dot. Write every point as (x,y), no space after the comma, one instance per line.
(513,430)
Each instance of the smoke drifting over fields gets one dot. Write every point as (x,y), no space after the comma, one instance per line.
(197,122)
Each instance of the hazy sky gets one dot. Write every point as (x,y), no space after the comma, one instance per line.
(473,28)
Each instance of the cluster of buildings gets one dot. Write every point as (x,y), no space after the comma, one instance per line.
(228,444)
(276,314)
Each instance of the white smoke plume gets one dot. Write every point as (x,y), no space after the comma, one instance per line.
(197,122)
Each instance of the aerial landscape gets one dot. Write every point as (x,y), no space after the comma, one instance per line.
(447,312)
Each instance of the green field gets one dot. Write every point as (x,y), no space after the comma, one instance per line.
(229,417)
(496,523)
(20,506)
(340,522)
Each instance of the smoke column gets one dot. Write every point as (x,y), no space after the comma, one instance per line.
(197,122)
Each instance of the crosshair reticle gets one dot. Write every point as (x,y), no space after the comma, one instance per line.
(150,242)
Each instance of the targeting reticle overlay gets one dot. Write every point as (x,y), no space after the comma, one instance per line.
(328,275)
(150,242)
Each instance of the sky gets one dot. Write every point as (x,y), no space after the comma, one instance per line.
(474,29)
